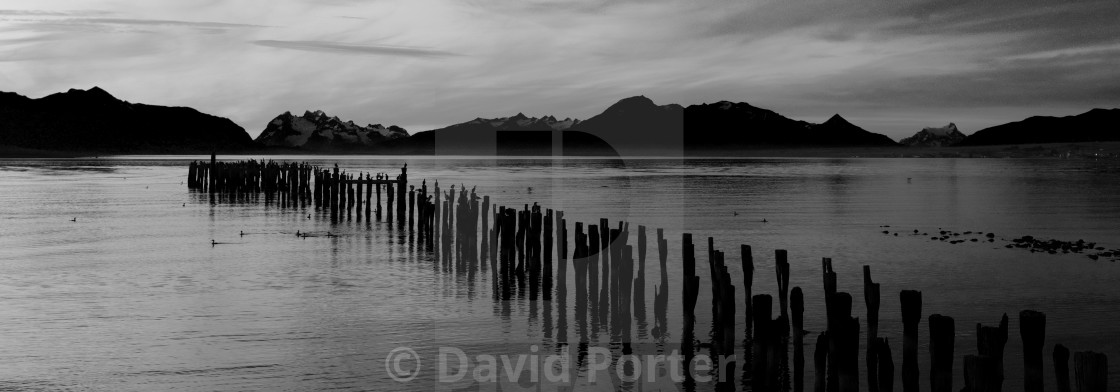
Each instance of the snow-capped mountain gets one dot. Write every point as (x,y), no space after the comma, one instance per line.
(317,130)
(519,122)
(935,137)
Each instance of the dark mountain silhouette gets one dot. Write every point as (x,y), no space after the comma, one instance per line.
(935,137)
(318,131)
(839,132)
(735,125)
(637,126)
(1092,126)
(94,120)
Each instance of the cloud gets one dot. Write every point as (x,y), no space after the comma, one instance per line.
(891,66)
(367,49)
(52,13)
(161,22)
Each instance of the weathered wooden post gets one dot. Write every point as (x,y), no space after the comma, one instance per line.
(402,185)
(389,199)
(592,258)
(369,194)
(1090,369)
(690,289)
(579,260)
(1061,367)
(411,205)
(358,196)
(661,291)
(747,258)
(820,362)
(989,345)
(911,315)
(761,345)
(843,350)
(639,283)
(829,284)
(485,227)
(548,220)
(1032,329)
(885,365)
(941,336)
(871,300)
(797,309)
(562,258)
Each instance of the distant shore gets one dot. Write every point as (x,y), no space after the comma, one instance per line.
(1083,150)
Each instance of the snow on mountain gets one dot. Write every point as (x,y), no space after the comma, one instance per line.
(318,130)
(935,137)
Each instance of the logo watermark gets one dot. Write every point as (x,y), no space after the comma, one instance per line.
(530,368)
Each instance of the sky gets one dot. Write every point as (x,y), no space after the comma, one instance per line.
(890,66)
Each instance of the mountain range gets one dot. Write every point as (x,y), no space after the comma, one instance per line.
(318,131)
(93,120)
(1096,125)
(740,125)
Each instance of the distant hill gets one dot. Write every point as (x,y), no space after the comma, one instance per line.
(318,131)
(1094,125)
(637,126)
(518,122)
(728,125)
(94,120)
(944,136)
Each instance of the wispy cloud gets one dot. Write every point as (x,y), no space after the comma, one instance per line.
(34,12)
(163,22)
(366,49)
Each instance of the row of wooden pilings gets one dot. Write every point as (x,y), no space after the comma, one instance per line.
(609,287)
(609,284)
(297,185)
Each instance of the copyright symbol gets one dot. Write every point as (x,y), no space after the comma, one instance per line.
(399,356)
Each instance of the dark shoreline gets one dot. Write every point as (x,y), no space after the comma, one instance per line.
(1085,150)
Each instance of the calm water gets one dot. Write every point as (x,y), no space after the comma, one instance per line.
(132,296)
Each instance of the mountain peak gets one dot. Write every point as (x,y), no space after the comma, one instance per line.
(93,93)
(837,119)
(636,100)
(935,137)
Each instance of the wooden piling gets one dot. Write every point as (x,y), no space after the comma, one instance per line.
(885,365)
(941,336)
(820,362)
(871,300)
(1061,367)
(797,311)
(911,316)
(1032,330)
(1090,370)
(760,377)
(990,342)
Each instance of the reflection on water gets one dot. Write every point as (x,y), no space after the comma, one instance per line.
(133,296)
